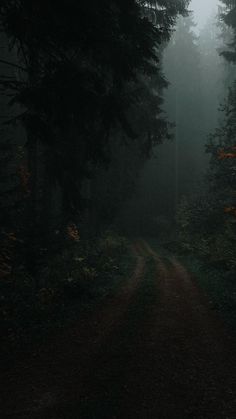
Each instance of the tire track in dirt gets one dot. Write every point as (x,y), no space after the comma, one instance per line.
(209,348)
(162,367)
(199,365)
(155,350)
(117,372)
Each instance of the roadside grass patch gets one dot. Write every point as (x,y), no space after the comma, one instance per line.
(219,286)
(75,282)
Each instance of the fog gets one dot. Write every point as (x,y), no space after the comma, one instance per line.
(118,209)
(202,10)
(197,78)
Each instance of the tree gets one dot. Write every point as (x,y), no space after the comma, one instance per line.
(85,72)
(166,178)
(212,230)
(229,18)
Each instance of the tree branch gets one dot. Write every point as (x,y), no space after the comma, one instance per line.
(13,65)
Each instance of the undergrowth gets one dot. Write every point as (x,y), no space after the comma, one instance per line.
(74,280)
(217,283)
(220,287)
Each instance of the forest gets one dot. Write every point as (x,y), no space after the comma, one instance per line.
(118,209)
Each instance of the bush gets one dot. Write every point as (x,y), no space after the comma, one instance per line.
(79,272)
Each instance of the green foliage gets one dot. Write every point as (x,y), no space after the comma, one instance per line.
(87,80)
(79,275)
(112,245)
(229,18)
(87,70)
(220,286)
(207,226)
(207,232)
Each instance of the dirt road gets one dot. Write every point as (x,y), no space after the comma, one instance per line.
(155,350)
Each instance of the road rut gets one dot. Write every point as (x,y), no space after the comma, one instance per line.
(155,350)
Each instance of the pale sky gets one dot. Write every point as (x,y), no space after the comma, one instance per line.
(203,9)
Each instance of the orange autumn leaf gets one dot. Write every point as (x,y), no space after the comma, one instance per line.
(72,232)
(230,210)
(222,154)
(12,237)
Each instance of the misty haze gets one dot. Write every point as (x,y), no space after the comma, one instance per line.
(118,209)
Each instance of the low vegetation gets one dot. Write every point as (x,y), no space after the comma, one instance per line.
(76,278)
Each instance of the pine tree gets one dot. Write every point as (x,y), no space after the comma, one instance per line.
(213,227)
(229,18)
(85,70)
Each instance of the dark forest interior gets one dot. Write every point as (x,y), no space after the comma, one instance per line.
(118,209)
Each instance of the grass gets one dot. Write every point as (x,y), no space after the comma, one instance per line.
(219,286)
(220,289)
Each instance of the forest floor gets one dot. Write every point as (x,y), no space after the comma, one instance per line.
(155,349)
